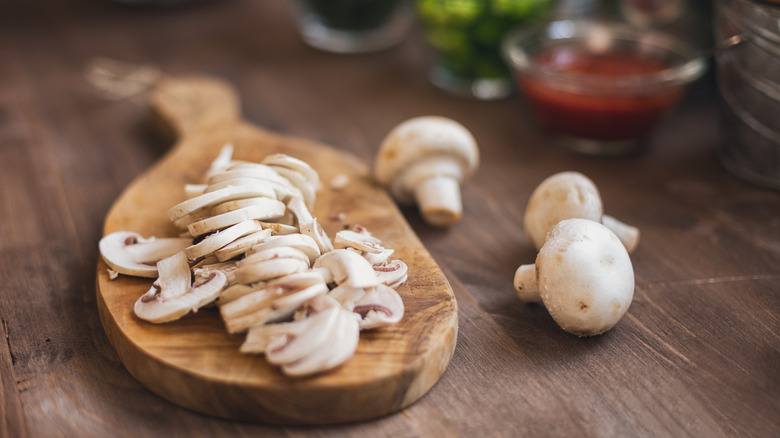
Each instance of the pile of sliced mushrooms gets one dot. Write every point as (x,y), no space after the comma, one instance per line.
(251,246)
(582,273)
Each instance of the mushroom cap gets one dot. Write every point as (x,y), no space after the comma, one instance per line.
(564,195)
(423,137)
(129,253)
(585,277)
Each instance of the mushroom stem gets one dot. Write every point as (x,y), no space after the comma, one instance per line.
(526,287)
(439,200)
(628,235)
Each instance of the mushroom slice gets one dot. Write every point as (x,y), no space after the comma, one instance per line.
(236,204)
(301,242)
(341,345)
(193,190)
(214,197)
(308,224)
(153,307)
(379,307)
(221,238)
(344,266)
(254,171)
(280,191)
(267,305)
(222,161)
(299,280)
(278,229)
(347,296)
(378,258)
(360,241)
(270,293)
(234,292)
(174,276)
(289,341)
(242,244)
(269,269)
(129,253)
(392,274)
(294,164)
(308,191)
(270,208)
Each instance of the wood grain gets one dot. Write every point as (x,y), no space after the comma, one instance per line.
(194,362)
(695,356)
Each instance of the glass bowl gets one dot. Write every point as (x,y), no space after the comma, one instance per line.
(600,88)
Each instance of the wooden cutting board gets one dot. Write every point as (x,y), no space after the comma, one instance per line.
(194,362)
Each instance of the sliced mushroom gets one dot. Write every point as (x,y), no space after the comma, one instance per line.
(343,266)
(294,164)
(129,253)
(222,161)
(222,238)
(242,244)
(360,241)
(153,307)
(214,197)
(267,209)
(343,341)
(392,274)
(308,191)
(308,224)
(270,264)
(380,258)
(301,242)
(174,276)
(289,341)
(377,306)
(265,306)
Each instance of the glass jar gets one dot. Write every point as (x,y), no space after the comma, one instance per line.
(749,85)
(353,26)
(466,35)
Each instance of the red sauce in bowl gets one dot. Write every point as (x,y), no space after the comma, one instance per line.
(606,114)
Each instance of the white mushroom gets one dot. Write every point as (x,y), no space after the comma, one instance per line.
(427,159)
(364,241)
(211,198)
(266,305)
(343,340)
(567,195)
(583,275)
(169,299)
(378,306)
(308,224)
(265,208)
(393,273)
(222,161)
(343,266)
(301,242)
(222,238)
(294,346)
(130,254)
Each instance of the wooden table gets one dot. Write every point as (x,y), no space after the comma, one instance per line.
(696,355)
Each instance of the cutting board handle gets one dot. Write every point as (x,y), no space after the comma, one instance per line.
(193,105)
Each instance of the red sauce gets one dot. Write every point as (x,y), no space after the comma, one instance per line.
(601,115)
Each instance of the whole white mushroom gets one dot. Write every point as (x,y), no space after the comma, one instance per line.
(426,159)
(567,195)
(582,274)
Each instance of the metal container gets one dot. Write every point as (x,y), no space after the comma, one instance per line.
(749,85)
